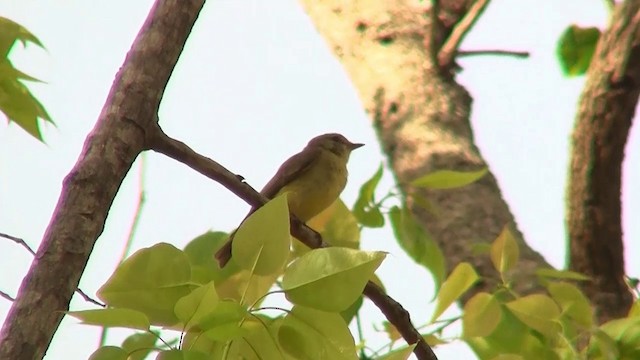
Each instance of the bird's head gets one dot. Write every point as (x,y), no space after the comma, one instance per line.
(335,143)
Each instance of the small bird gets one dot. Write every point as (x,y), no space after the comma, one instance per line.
(313,179)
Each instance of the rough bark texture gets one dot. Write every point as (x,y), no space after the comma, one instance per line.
(389,49)
(605,113)
(89,189)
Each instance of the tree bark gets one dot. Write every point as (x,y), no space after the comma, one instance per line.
(390,50)
(89,189)
(605,114)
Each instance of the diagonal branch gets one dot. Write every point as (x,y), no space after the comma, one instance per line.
(393,311)
(451,45)
(90,187)
(605,114)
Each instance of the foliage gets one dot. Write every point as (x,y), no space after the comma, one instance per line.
(16,101)
(575,49)
(219,312)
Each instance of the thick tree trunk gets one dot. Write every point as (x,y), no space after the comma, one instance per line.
(605,113)
(390,51)
(89,189)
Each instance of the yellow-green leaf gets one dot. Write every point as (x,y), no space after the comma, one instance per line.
(365,209)
(448,179)
(261,244)
(418,244)
(539,312)
(330,279)
(307,333)
(109,353)
(573,302)
(504,251)
(481,315)
(192,308)
(151,281)
(125,318)
(460,280)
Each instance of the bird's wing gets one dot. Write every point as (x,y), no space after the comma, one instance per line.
(295,166)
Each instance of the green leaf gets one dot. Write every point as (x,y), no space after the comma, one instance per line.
(192,308)
(505,251)
(481,315)
(151,281)
(330,279)
(351,311)
(260,341)
(399,354)
(539,312)
(418,244)
(307,333)
(10,32)
(262,242)
(337,225)
(139,345)
(125,318)
(575,49)
(512,336)
(109,353)
(365,208)
(561,274)
(460,280)
(573,302)
(223,323)
(448,179)
(200,251)
(181,355)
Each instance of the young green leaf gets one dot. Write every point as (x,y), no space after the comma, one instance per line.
(448,179)
(417,243)
(481,315)
(505,251)
(460,280)
(539,312)
(125,318)
(151,281)
(573,303)
(192,308)
(109,353)
(575,49)
(365,208)
(139,345)
(307,333)
(261,244)
(330,279)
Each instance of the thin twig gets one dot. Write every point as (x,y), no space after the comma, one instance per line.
(393,311)
(89,299)
(6,296)
(26,246)
(19,242)
(516,54)
(449,48)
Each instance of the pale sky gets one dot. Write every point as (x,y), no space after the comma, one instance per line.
(254,83)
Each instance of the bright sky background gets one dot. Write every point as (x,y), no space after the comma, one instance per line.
(254,83)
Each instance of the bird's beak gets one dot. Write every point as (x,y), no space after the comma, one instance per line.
(353,146)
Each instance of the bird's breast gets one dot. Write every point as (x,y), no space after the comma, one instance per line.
(317,188)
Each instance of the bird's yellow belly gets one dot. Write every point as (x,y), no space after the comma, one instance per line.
(316,190)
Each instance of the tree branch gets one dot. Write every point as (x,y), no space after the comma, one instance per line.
(516,54)
(89,189)
(393,311)
(605,114)
(450,47)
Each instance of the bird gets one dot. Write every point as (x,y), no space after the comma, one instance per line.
(313,179)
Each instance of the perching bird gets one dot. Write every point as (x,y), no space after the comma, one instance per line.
(313,178)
